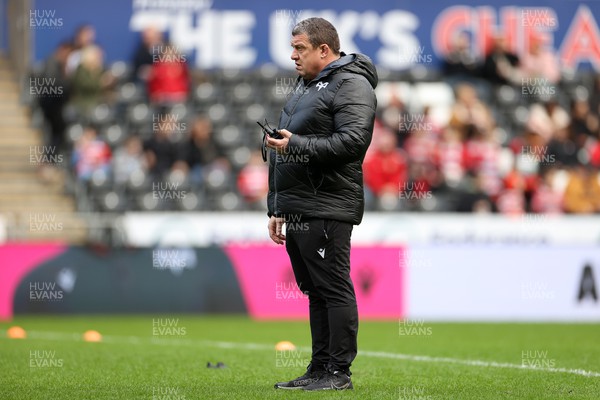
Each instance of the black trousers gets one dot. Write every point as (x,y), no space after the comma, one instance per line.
(320,254)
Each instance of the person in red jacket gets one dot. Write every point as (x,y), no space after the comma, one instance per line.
(168,80)
(385,167)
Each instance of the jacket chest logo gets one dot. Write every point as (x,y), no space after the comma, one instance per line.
(321,85)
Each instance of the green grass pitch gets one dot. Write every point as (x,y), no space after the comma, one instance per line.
(165,357)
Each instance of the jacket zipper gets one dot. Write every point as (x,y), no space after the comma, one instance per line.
(275,166)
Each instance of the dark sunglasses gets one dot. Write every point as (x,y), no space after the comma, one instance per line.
(267,131)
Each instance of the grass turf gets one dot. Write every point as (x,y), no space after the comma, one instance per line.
(141,358)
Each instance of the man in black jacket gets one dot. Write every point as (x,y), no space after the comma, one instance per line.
(316,190)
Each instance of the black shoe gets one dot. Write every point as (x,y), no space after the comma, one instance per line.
(336,380)
(309,377)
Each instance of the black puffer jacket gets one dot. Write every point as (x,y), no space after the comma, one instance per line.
(319,175)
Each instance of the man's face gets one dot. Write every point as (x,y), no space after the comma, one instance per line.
(307,59)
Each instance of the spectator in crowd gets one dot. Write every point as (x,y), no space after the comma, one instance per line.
(473,197)
(89,82)
(540,63)
(546,119)
(200,150)
(594,154)
(595,96)
(517,189)
(128,159)
(90,154)
(423,136)
(563,148)
(161,151)
(253,181)
(475,124)
(530,156)
(511,201)
(582,194)
(143,58)
(547,199)
(418,187)
(450,157)
(584,123)
(85,36)
(501,66)
(392,117)
(460,61)
(52,105)
(420,147)
(427,122)
(168,79)
(378,129)
(385,168)
(469,113)
(482,154)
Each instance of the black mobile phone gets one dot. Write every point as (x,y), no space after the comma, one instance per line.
(272,132)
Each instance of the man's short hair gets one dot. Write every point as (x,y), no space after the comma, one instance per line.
(319,31)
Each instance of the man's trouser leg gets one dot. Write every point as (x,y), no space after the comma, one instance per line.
(320,255)
(319,321)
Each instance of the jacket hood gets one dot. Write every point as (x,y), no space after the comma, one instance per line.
(354,63)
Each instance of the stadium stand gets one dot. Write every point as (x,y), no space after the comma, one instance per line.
(473,144)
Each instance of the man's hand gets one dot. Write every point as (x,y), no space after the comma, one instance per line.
(275,230)
(279,144)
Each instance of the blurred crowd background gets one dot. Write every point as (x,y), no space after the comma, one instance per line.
(509,133)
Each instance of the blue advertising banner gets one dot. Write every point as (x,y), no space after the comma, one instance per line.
(395,34)
(3,26)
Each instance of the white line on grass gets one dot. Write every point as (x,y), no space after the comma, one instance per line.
(62,336)
(410,357)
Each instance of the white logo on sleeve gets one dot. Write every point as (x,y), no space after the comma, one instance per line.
(322,85)
(321,252)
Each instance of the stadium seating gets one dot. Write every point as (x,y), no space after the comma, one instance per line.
(233,100)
